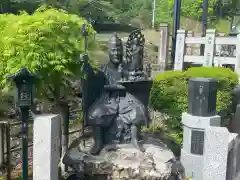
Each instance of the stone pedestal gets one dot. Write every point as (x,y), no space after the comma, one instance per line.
(46,144)
(193,143)
(127,162)
(215,153)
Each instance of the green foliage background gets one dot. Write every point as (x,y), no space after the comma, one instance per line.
(128,10)
(170,91)
(48,42)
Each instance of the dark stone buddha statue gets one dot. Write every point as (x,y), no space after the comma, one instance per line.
(116,116)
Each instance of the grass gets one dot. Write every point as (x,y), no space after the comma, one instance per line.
(223,26)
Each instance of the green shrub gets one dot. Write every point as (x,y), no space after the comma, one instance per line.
(169,95)
(152,128)
(47,43)
(170,90)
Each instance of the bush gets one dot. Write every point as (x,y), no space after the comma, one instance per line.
(48,43)
(170,90)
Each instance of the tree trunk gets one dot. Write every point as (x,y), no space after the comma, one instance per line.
(65,128)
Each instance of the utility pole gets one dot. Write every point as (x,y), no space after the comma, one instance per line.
(176,26)
(5,7)
(204,22)
(90,14)
(153,13)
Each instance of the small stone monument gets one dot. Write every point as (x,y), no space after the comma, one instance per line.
(46,145)
(201,114)
(202,97)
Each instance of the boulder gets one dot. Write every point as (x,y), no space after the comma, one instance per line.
(156,163)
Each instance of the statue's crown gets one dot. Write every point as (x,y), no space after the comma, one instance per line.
(114,39)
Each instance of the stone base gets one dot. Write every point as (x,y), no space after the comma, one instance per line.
(156,163)
(192,157)
(192,165)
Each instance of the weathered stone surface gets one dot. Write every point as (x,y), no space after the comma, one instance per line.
(126,163)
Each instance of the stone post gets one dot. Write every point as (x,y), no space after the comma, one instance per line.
(201,114)
(233,161)
(2,126)
(163,46)
(188,46)
(233,169)
(46,147)
(209,50)
(180,50)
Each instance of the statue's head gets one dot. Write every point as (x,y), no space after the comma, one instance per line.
(115,49)
(135,43)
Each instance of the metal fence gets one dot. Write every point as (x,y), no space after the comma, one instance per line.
(9,153)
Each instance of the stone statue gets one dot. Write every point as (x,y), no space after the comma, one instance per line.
(234,124)
(115,106)
(116,115)
(134,54)
(235,98)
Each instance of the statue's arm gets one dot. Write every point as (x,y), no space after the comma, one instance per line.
(125,72)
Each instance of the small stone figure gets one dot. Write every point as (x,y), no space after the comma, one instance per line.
(116,116)
(136,63)
(134,54)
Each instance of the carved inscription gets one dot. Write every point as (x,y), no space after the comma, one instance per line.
(200,98)
(208,53)
(179,53)
(197,142)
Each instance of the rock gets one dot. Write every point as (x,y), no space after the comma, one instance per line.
(126,163)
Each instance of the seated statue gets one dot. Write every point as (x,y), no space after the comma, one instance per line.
(115,115)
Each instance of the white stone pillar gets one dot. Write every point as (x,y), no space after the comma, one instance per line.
(209,50)
(46,147)
(193,143)
(180,50)
(163,46)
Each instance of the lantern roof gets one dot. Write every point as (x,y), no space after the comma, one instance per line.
(24,73)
